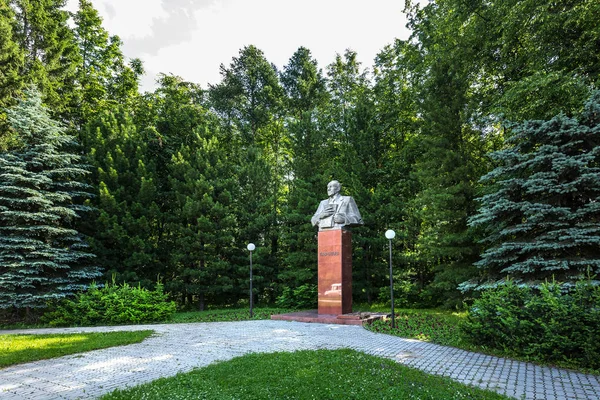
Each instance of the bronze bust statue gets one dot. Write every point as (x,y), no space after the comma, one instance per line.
(337,211)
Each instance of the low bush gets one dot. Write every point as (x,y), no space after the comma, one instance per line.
(112,304)
(303,297)
(548,324)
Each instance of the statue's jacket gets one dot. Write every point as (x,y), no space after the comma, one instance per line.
(345,207)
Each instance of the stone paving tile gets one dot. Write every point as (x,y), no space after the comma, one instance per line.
(182,347)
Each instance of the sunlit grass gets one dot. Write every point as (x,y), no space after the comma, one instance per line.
(16,349)
(322,374)
(441,327)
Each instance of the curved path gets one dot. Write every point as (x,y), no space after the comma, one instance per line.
(182,347)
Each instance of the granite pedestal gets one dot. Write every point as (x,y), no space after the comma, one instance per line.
(335,272)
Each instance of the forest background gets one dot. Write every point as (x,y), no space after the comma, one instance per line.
(172,184)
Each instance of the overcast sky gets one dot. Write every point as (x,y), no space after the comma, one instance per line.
(192,38)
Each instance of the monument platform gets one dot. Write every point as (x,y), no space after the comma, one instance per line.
(312,316)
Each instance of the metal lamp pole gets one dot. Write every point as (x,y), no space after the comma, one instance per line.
(390,234)
(251,248)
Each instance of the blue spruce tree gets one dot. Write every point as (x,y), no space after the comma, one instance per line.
(42,193)
(542,215)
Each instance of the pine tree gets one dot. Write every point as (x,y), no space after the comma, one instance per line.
(202,222)
(42,255)
(447,172)
(51,54)
(542,217)
(127,230)
(103,77)
(11,62)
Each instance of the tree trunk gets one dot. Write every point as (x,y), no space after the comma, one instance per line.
(201,304)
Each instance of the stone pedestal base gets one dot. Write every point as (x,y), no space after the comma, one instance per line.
(335,272)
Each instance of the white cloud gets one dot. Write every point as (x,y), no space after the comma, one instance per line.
(191,38)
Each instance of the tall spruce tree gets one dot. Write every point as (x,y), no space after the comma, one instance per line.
(103,77)
(306,93)
(42,190)
(249,101)
(542,218)
(453,142)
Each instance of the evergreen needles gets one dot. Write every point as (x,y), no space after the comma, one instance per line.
(543,216)
(42,255)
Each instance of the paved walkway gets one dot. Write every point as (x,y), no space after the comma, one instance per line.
(182,347)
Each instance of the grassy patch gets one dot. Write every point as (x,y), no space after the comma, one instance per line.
(441,327)
(16,349)
(239,314)
(322,374)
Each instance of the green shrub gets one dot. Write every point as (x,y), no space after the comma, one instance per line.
(112,304)
(303,297)
(548,324)
(406,293)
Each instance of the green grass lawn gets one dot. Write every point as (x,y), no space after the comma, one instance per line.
(322,374)
(228,314)
(16,349)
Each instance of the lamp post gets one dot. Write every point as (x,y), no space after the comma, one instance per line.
(390,234)
(251,248)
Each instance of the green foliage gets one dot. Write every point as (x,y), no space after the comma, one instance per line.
(223,315)
(112,304)
(547,325)
(43,256)
(41,29)
(16,349)
(304,84)
(542,215)
(12,59)
(430,326)
(185,177)
(249,102)
(202,222)
(302,297)
(102,76)
(520,62)
(125,231)
(323,374)
(473,63)
(406,293)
